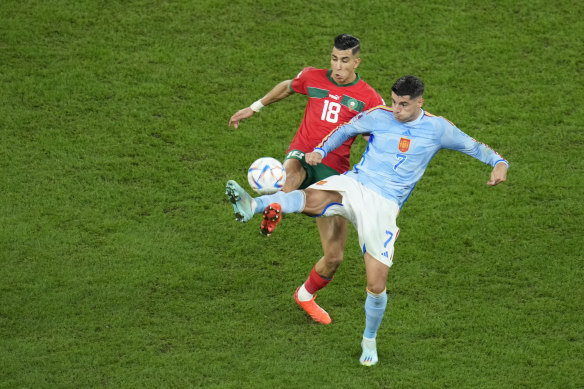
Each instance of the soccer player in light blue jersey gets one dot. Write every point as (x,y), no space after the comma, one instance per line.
(403,140)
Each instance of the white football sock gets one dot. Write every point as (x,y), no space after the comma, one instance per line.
(303,294)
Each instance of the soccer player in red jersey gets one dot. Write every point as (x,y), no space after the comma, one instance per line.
(335,96)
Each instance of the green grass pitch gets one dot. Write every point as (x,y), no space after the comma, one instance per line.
(121,264)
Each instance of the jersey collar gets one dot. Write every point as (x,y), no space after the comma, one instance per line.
(418,119)
(330,71)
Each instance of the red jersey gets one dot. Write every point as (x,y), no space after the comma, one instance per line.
(329,106)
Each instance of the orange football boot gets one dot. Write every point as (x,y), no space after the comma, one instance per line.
(316,313)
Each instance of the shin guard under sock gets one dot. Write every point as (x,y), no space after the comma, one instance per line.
(292,202)
(374,310)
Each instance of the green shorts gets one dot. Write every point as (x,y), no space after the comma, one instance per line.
(313,173)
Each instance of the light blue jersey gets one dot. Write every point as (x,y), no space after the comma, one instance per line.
(398,153)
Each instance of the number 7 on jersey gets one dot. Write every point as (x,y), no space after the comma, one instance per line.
(401,159)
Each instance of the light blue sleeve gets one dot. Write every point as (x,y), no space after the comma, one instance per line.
(360,124)
(454,139)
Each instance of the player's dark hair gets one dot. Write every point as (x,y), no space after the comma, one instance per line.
(346,42)
(408,86)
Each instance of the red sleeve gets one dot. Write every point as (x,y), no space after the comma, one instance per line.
(375,100)
(378,100)
(298,84)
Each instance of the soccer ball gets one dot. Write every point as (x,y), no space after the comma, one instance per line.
(266,175)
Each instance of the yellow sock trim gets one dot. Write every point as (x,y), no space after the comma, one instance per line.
(376,294)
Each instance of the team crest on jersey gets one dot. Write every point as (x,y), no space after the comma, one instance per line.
(404,145)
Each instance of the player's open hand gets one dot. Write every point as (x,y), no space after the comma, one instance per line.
(240,115)
(498,175)
(312,158)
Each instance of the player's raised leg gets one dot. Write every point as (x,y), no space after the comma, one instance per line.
(375,305)
(244,206)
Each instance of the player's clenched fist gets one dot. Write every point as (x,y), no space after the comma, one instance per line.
(313,158)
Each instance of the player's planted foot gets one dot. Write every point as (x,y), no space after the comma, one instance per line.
(271,217)
(369,355)
(241,200)
(316,313)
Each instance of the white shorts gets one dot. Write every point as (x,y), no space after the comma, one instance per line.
(373,215)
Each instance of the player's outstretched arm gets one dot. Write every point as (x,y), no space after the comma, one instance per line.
(498,174)
(279,92)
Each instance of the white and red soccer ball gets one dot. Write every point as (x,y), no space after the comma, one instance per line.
(266,175)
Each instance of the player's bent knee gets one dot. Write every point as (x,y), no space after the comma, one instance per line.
(376,288)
